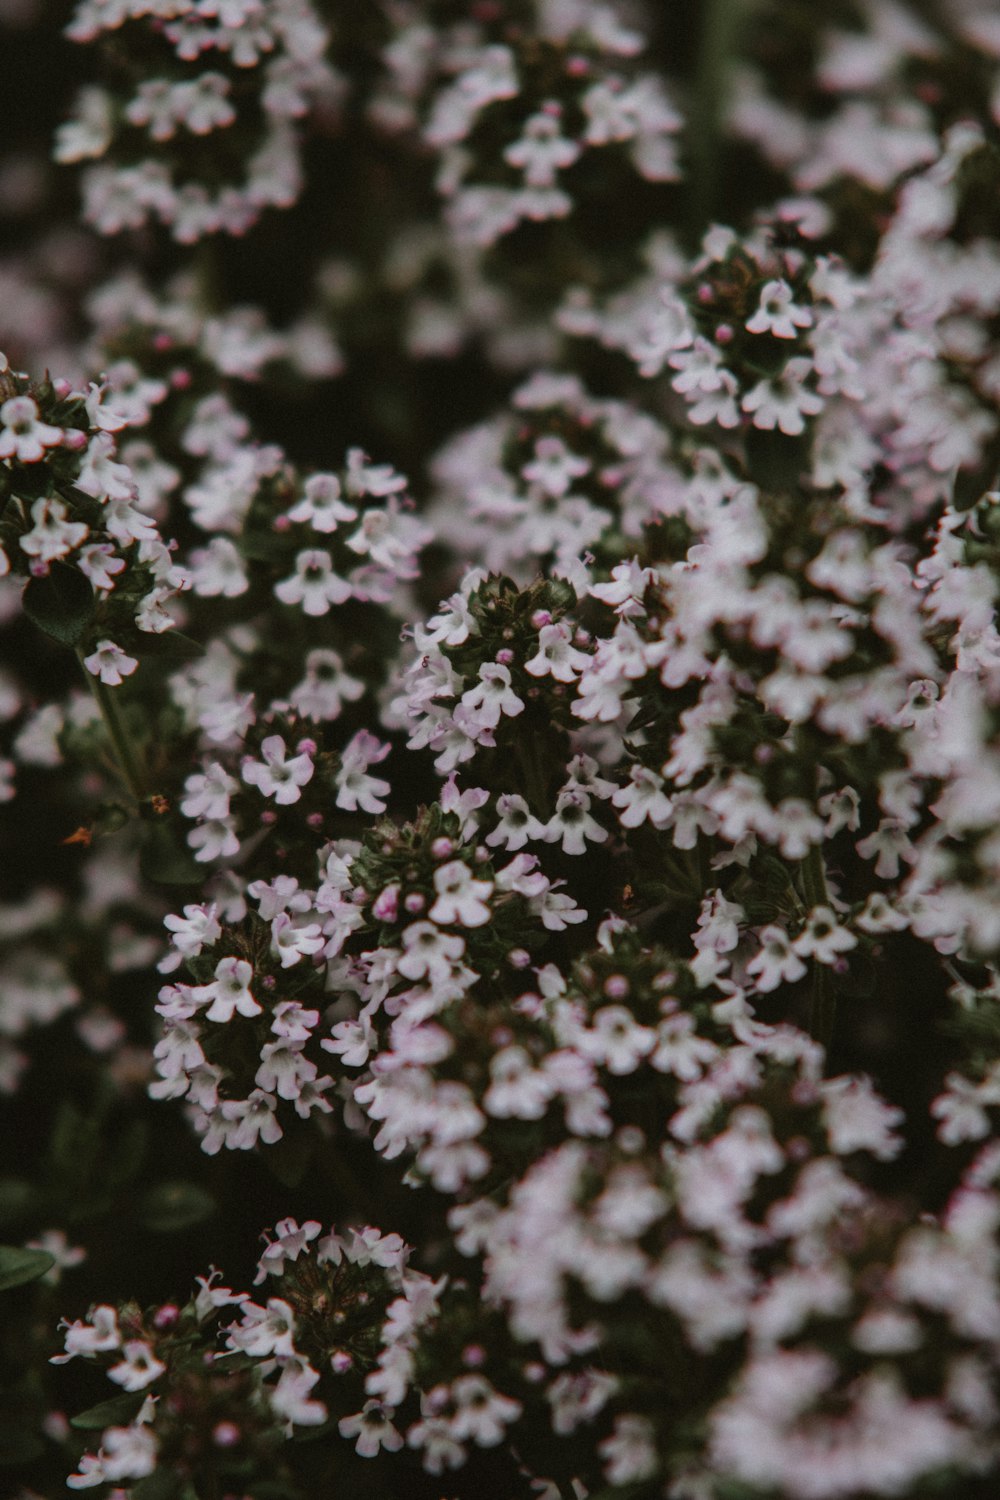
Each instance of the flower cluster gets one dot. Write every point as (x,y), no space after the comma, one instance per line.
(205,68)
(500,740)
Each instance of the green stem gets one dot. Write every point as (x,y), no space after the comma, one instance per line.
(125,754)
(822,1011)
(719,32)
(814,879)
(534,781)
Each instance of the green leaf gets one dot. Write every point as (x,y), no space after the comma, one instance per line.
(159,1486)
(172,1206)
(19,1445)
(126,1159)
(73,1144)
(117,1411)
(289,1158)
(172,643)
(16,1197)
(62,604)
(165,860)
(17,1266)
(775,461)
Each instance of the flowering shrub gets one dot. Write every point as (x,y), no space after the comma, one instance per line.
(500,750)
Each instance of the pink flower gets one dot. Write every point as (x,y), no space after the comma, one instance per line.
(110,663)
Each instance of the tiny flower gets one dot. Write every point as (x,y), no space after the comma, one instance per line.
(229,991)
(778,313)
(321,505)
(100,564)
(777,962)
(572,824)
(556,654)
(139,1368)
(373,1429)
(355,788)
(290,942)
(277,776)
(22,435)
(517,824)
(314,584)
(823,938)
(110,663)
(784,400)
(460,897)
(53,535)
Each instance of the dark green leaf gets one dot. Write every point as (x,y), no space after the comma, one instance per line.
(16,1197)
(166,860)
(73,1144)
(17,1266)
(776,462)
(289,1157)
(172,1206)
(172,643)
(126,1159)
(159,1486)
(19,1445)
(117,1411)
(61,604)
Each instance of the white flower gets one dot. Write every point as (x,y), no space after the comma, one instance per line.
(229,992)
(856,1119)
(784,400)
(110,663)
(321,505)
(276,776)
(208,793)
(372,1426)
(823,938)
(572,824)
(778,313)
(429,953)
(326,686)
(248,1119)
(139,1368)
(22,435)
(53,535)
(314,584)
(128,1452)
(355,788)
(556,654)
(290,1397)
(291,942)
(97,1336)
(264,1331)
(629,1453)
(460,897)
(517,824)
(482,1413)
(616,1040)
(290,1240)
(776,962)
(492,698)
(218,570)
(542,150)
(214,839)
(643,798)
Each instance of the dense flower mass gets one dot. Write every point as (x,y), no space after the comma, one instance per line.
(500,750)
